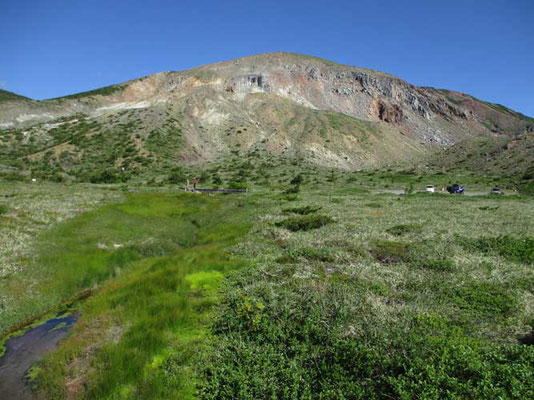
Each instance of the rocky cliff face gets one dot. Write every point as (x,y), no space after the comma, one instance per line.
(332,114)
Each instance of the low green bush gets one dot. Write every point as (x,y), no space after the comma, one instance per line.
(13,176)
(108,176)
(304,210)
(526,188)
(3,209)
(295,345)
(520,249)
(399,230)
(374,205)
(289,197)
(292,190)
(177,176)
(490,299)
(287,258)
(390,252)
(238,185)
(305,222)
(438,264)
(297,180)
(317,254)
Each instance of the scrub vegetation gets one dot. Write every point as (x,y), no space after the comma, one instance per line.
(413,301)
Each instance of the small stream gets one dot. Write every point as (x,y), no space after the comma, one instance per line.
(25,350)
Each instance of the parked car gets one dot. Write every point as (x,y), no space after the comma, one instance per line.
(430,188)
(496,190)
(456,189)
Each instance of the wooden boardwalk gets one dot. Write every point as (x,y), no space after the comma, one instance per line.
(212,190)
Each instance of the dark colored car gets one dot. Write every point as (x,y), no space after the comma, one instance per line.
(496,190)
(456,189)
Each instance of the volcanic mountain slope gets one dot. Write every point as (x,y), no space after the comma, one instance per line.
(278,104)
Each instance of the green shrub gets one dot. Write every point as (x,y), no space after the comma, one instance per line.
(297,180)
(374,205)
(305,222)
(105,176)
(293,189)
(238,185)
(390,252)
(3,209)
(398,230)
(177,176)
(409,189)
(520,249)
(290,197)
(287,258)
(526,188)
(438,264)
(317,254)
(489,299)
(216,179)
(13,176)
(292,345)
(304,210)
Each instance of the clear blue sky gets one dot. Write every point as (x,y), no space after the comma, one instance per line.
(50,48)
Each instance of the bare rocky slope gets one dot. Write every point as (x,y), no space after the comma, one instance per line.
(278,104)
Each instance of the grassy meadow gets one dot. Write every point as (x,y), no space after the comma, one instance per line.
(316,285)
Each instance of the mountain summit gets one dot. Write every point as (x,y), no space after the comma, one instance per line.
(281,104)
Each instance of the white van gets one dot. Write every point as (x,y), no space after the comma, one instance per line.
(430,188)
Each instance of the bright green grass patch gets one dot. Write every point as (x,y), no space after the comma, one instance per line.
(160,306)
(206,281)
(33,373)
(94,246)
(58,326)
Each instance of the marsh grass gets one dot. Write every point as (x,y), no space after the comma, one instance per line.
(163,299)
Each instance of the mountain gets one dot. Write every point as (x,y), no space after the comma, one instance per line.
(278,105)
